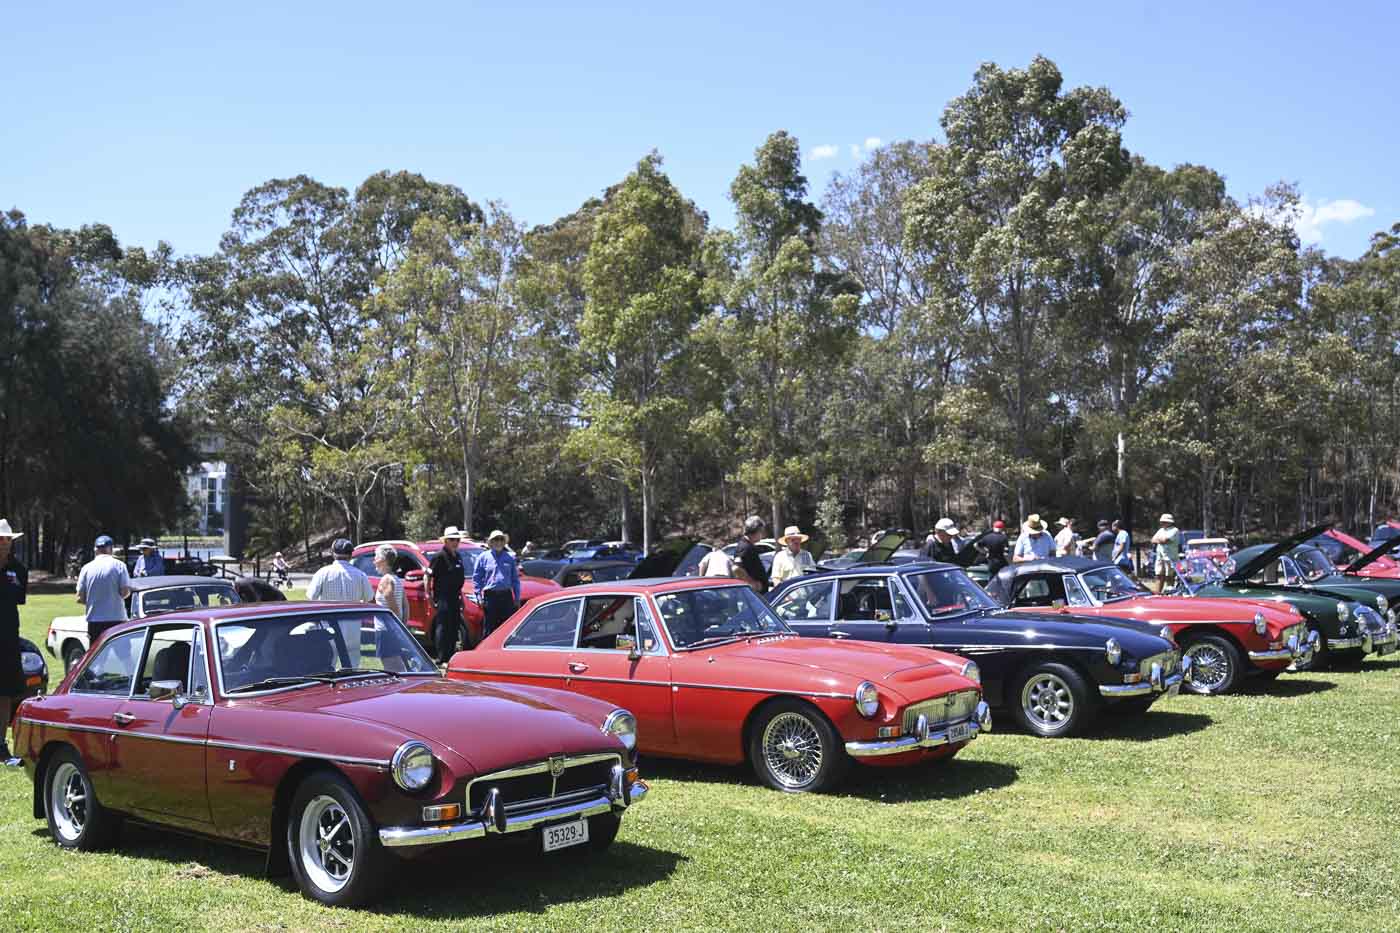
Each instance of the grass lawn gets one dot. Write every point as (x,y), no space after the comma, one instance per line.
(1274,810)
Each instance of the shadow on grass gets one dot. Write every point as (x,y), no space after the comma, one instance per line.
(1147,727)
(1389,664)
(470,879)
(1287,686)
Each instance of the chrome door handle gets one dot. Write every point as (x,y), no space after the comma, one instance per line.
(840,634)
(123,719)
(578,667)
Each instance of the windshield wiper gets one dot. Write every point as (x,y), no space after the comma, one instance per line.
(272,682)
(347,672)
(714,639)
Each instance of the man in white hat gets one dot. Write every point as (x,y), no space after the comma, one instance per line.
(1166,550)
(944,548)
(103,585)
(792,560)
(1035,542)
(14,589)
(1067,539)
(446,577)
(496,579)
(150,563)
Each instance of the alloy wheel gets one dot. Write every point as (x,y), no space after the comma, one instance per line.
(327,844)
(68,801)
(1047,701)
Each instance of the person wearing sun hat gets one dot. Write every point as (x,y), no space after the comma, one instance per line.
(446,577)
(1035,542)
(792,560)
(1166,550)
(943,548)
(496,578)
(1067,540)
(14,590)
(103,585)
(150,563)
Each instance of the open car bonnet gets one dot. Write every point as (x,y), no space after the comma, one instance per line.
(1371,556)
(881,551)
(1272,553)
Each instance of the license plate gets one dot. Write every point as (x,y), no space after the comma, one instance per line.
(563,835)
(1386,648)
(959,732)
(1174,689)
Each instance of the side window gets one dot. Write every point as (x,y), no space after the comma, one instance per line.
(199,670)
(167,658)
(404,562)
(605,618)
(902,609)
(862,599)
(808,602)
(550,626)
(1074,593)
(1033,591)
(647,640)
(114,667)
(365,565)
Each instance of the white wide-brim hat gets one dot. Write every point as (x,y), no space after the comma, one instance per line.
(498,533)
(7,532)
(1166,519)
(453,532)
(792,531)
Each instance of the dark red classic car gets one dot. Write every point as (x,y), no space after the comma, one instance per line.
(323,735)
(411,563)
(713,675)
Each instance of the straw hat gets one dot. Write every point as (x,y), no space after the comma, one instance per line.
(453,532)
(1033,522)
(792,531)
(1167,519)
(498,533)
(7,532)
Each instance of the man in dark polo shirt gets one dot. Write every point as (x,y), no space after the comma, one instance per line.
(748,566)
(445,579)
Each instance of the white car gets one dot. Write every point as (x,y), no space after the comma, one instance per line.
(68,635)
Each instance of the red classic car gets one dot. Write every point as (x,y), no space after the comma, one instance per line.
(714,675)
(1348,554)
(411,562)
(323,734)
(1226,639)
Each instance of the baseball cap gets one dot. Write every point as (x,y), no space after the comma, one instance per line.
(342,546)
(999,525)
(103,541)
(946,526)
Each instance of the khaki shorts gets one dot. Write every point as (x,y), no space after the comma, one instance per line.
(1164,568)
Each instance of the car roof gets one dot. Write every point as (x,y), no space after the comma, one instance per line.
(645,585)
(139,584)
(866,570)
(241,611)
(1058,565)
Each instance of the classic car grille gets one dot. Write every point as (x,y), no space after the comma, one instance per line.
(953,707)
(533,786)
(1170,661)
(1370,621)
(1301,630)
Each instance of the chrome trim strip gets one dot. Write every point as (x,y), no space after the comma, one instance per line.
(650,683)
(909,743)
(1281,654)
(959,649)
(767,690)
(1141,689)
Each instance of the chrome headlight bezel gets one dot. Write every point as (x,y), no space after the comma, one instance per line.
(31,662)
(971,671)
(1343,612)
(1166,632)
(1113,651)
(410,771)
(1382,604)
(622,724)
(867,699)
(1261,625)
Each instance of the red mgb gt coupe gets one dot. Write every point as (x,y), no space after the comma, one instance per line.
(713,675)
(322,734)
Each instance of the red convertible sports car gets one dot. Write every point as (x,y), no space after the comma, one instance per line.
(712,674)
(410,563)
(322,734)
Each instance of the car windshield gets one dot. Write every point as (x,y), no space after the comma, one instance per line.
(1109,583)
(716,613)
(284,651)
(468,555)
(1313,563)
(944,592)
(1198,571)
(192,596)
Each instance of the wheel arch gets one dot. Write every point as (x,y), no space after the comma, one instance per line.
(751,720)
(1195,632)
(277,863)
(1011,689)
(41,770)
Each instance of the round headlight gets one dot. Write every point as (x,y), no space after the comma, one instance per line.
(1261,627)
(412,766)
(1166,632)
(1113,650)
(32,662)
(1382,603)
(623,725)
(1343,611)
(971,671)
(867,699)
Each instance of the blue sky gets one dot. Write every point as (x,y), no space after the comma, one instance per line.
(155,118)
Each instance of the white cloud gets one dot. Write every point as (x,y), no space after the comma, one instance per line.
(824,152)
(1310,218)
(872,142)
(855,151)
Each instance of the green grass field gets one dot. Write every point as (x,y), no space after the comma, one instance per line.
(1276,810)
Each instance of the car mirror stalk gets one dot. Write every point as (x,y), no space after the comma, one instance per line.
(165,690)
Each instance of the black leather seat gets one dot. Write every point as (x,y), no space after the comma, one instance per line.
(172,663)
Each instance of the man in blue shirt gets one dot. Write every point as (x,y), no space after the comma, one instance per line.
(496,580)
(103,586)
(150,563)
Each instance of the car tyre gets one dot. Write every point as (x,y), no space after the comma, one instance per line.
(332,845)
(795,749)
(77,820)
(72,654)
(1052,700)
(1215,665)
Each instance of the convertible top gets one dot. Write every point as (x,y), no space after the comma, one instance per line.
(175,579)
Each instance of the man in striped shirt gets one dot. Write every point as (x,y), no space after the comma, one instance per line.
(341,581)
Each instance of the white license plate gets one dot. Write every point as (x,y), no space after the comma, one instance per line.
(959,732)
(1174,689)
(563,835)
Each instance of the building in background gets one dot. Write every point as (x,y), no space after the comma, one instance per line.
(208,490)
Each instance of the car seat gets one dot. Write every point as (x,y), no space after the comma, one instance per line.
(172,663)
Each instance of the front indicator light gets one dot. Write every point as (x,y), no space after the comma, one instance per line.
(446,811)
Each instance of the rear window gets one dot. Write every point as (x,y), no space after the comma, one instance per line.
(550,626)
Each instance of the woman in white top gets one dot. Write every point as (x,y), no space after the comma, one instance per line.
(389,592)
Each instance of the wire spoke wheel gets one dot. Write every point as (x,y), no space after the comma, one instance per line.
(1210,668)
(327,844)
(792,750)
(1047,701)
(68,801)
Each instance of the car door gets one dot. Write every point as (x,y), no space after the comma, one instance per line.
(99,689)
(638,680)
(806,607)
(160,749)
(864,609)
(538,650)
(410,567)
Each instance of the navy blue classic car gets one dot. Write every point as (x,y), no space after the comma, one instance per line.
(1052,671)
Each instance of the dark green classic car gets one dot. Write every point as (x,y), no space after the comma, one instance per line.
(1352,616)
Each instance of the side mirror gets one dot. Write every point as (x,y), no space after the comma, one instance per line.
(883,615)
(1057,603)
(628,643)
(163,690)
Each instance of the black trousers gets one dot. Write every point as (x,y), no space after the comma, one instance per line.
(95,630)
(498,605)
(447,620)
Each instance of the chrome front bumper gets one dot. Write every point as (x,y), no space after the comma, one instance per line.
(1295,651)
(394,836)
(925,736)
(1367,643)
(1156,682)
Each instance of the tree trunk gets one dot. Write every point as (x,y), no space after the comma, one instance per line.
(468,487)
(646,513)
(626,503)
